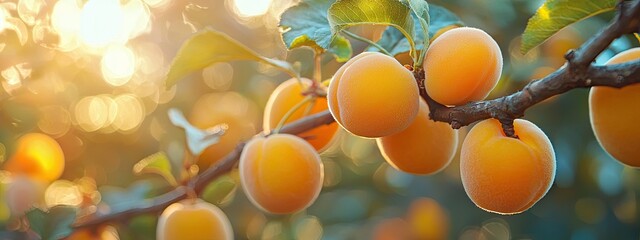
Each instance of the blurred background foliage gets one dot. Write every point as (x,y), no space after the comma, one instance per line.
(89,74)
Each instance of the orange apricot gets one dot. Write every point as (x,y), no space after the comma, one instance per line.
(428,219)
(372,95)
(230,108)
(462,65)
(286,96)
(615,114)
(281,173)
(193,219)
(425,147)
(506,175)
(37,156)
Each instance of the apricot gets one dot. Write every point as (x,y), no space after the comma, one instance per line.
(281,173)
(37,156)
(428,219)
(506,175)
(230,108)
(425,147)
(193,219)
(287,95)
(615,114)
(462,65)
(372,95)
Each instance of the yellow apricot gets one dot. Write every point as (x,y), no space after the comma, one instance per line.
(372,95)
(425,147)
(506,175)
(615,114)
(428,219)
(193,219)
(281,173)
(286,96)
(462,65)
(230,108)
(38,156)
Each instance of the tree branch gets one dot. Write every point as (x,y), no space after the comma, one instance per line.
(199,182)
(577,73)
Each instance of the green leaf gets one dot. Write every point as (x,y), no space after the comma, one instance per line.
(306,24)
(554,15)
(209,46)
(119,199)
(395,42)
(157,163)
(441,18)
(220,190)
(347,13)
(53,224)
(197,139)
(421,10)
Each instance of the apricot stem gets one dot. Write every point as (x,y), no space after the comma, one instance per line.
(290,112)
(359,38)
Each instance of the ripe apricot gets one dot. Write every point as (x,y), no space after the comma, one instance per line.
(462,65)
(286,96)
(615,114)
(193,219)
(281,173)
(425,147)
(230,108)
(38,156)
(428,219)
(372,95)
(506,175)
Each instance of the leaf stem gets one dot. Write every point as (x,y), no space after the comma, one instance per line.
(359,38)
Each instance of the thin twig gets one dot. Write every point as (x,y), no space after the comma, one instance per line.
(359,38)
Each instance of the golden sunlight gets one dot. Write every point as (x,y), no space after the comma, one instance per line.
(118,65)
(102,22)
(251,8)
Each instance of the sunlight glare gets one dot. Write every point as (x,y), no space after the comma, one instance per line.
(102,22)
(118,65)
(65,20)
(3,21)
(251,8)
